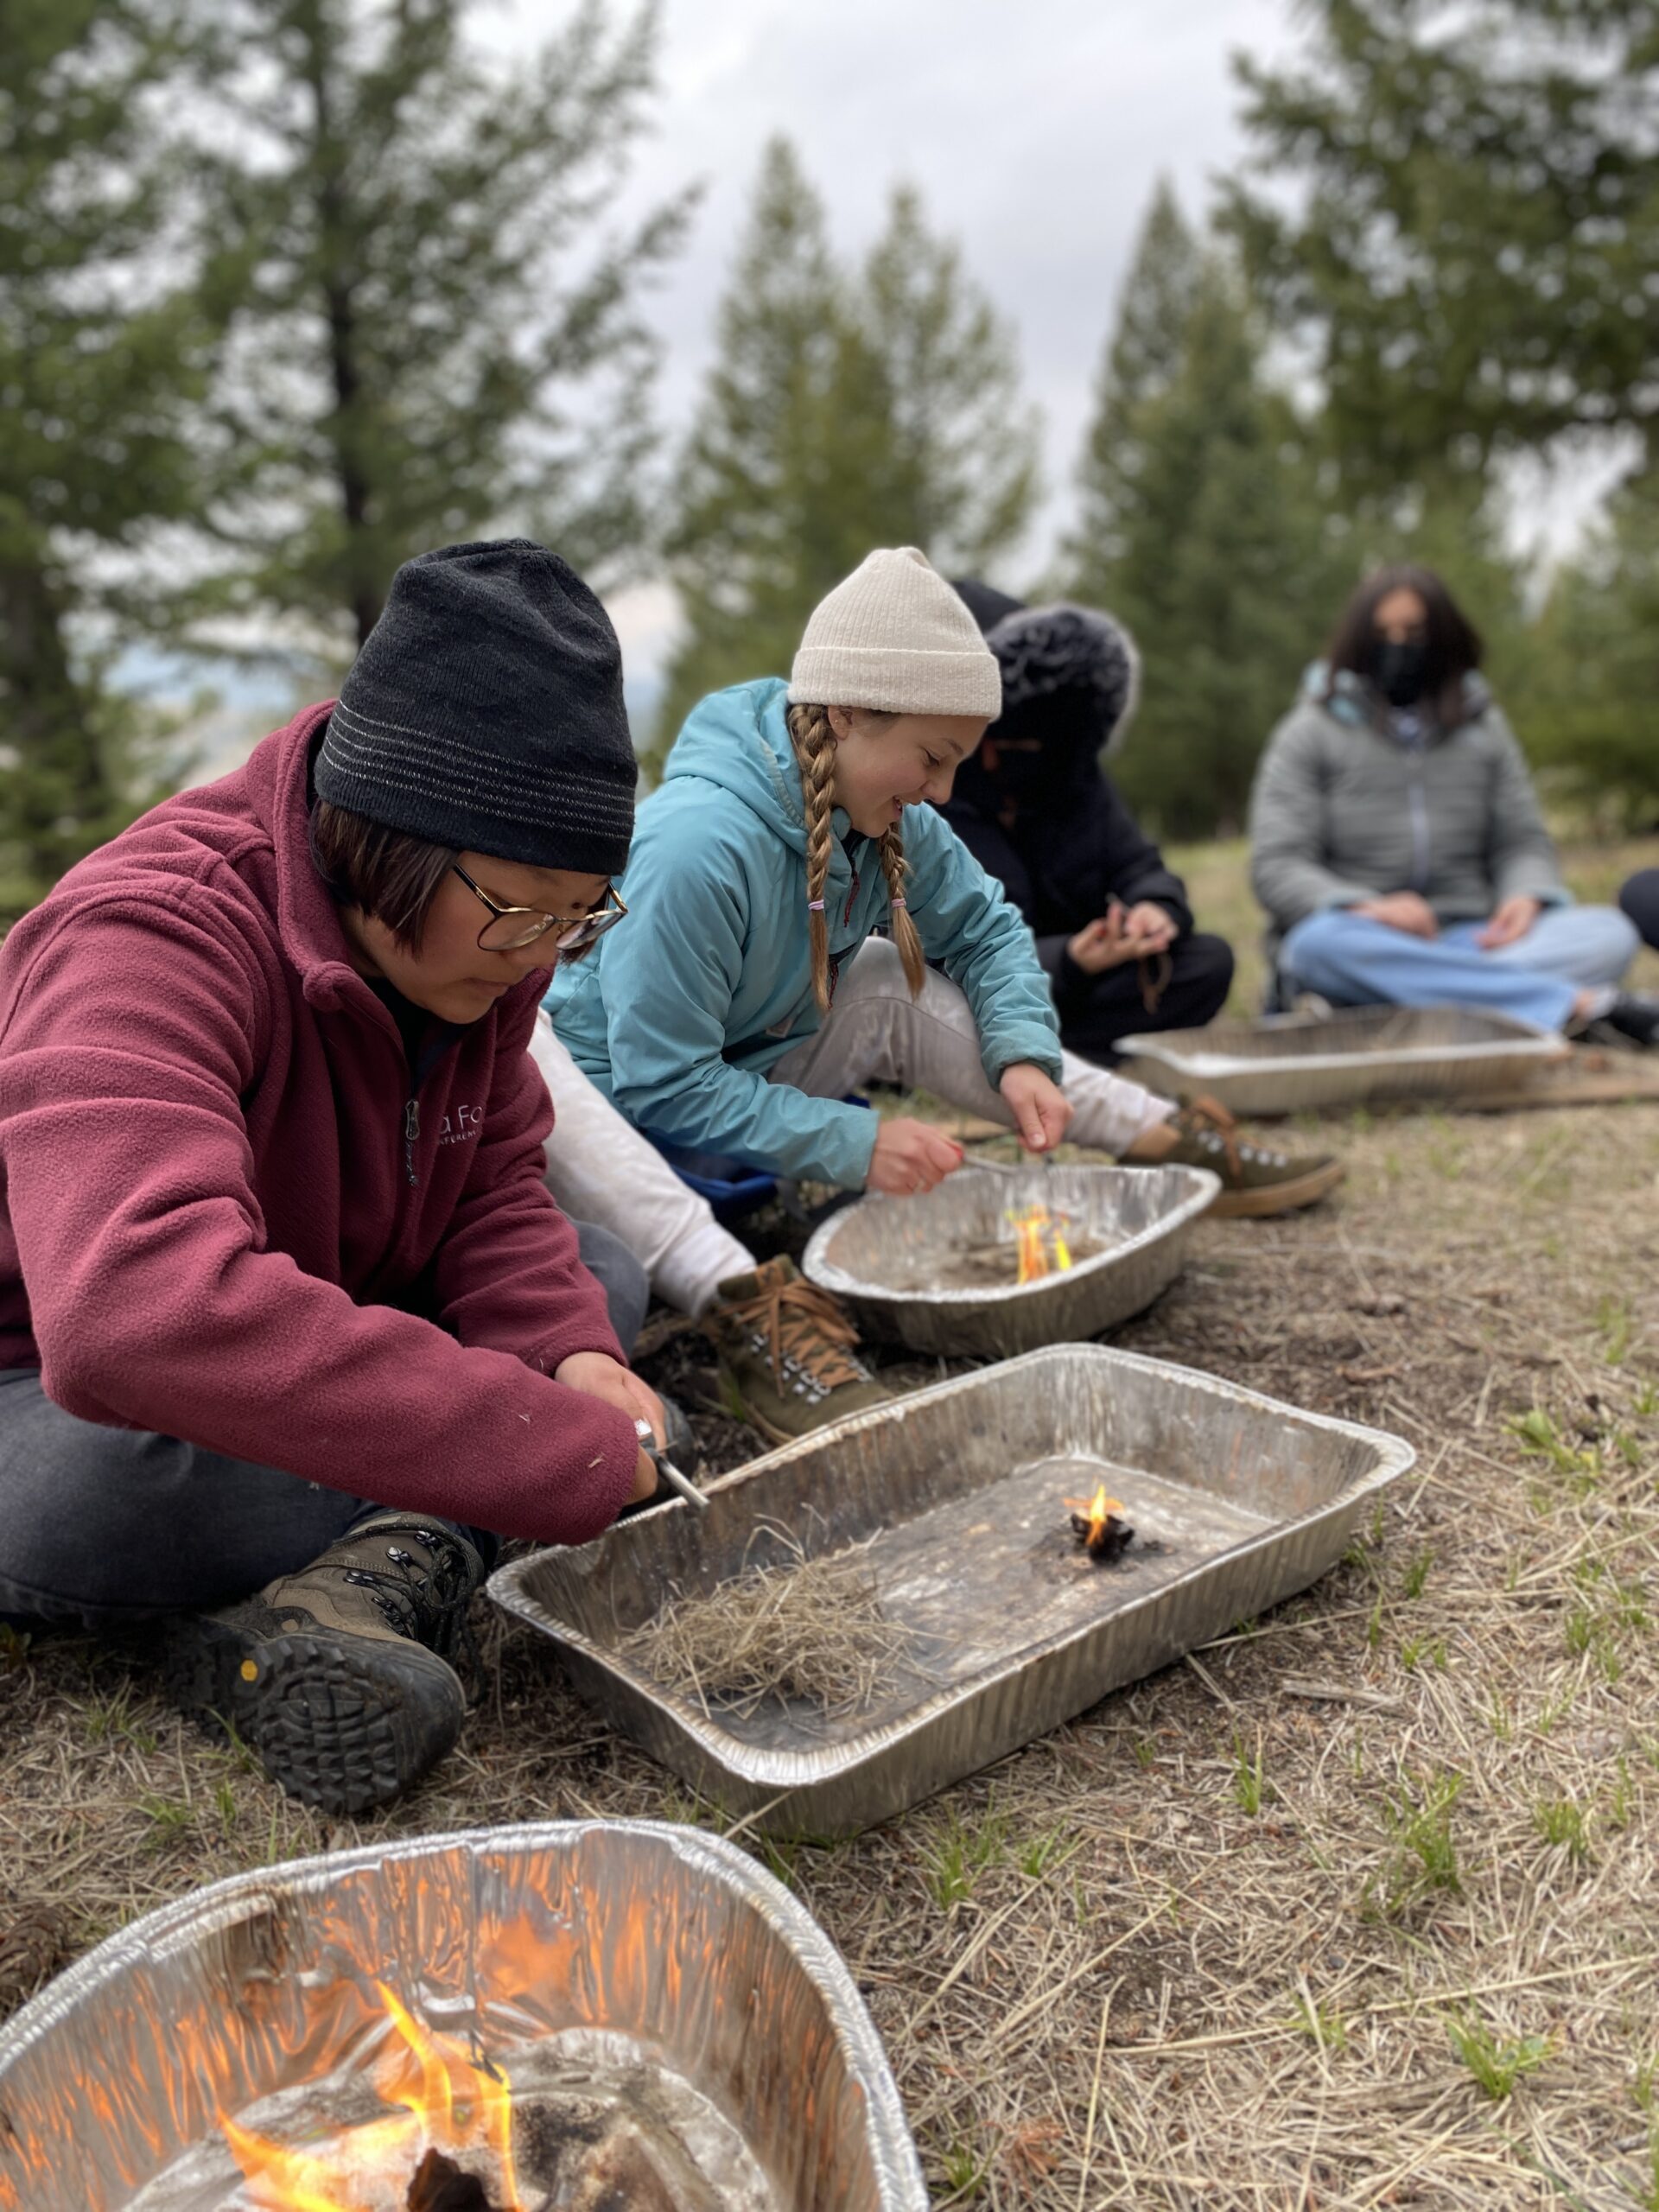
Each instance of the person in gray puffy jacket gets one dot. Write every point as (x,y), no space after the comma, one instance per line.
(1396,841)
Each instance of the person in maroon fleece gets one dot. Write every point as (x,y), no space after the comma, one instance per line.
(288,1317)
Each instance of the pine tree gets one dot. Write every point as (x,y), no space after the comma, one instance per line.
(1143,358)
(1596,676)
(1470,242)
(964,447)
(765,520)
(1221,558)
(842,412)
(104,350)
(439,339)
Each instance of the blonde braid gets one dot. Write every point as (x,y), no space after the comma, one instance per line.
(814,742)
(815,748)
(896,868)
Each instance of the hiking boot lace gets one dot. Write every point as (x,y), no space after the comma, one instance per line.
(1209,1120)
(427,1605)
(804,1324)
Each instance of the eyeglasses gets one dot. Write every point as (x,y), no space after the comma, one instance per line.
(510,928)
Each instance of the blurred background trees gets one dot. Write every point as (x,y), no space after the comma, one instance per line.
(292,289)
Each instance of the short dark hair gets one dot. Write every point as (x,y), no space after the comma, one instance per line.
(1452,643)
(390,876)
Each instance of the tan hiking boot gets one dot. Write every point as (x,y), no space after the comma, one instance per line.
(786,1353)
(339,1676)
(1255,1178)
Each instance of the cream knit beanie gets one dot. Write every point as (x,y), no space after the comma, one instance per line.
(895,636)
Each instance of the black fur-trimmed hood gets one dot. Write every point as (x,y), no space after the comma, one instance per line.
(1044,651)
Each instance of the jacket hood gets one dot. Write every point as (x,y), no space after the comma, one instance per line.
(1348,698)
(1071,677)
(739,739)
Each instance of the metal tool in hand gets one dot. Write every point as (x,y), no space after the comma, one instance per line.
(666,1470)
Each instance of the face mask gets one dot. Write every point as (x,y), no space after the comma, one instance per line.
(1399,668)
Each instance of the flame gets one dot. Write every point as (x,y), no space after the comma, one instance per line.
(1099,1508)
(1042,1246)
(447,2100)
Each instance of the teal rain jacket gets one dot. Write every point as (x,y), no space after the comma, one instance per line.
(679,1012)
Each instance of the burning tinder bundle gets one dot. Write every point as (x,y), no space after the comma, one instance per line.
(811,1631)
(1098,1523)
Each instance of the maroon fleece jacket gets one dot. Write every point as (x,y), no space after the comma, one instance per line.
(208,1226)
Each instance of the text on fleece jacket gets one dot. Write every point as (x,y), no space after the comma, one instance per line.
(708,982)
(207,1224)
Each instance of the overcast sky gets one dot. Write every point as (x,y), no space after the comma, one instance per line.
(1035,130)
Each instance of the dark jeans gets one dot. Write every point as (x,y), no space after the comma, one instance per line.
(1202,976)
(112,1527)
(1640,899)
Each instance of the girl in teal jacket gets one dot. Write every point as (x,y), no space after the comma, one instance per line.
(745,995)
(770,853)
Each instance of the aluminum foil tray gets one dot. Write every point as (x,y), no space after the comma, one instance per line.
(881,1254)
(660,1950)
(1292,1064)
(1013,1629)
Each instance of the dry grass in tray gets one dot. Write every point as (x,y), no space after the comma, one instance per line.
(807,1631)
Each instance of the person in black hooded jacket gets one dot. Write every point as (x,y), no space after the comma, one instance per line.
(1035,807)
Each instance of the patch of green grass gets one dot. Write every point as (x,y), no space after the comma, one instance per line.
(170,1818)
(13,1647)
(1645,1404)
(1413,1580)
(1323,2023)
(1561,1822)
(962,1855)
(1424,1856)
(1036,1858)
(963,2168)
(1541,1438)
(109,1720)
(1495,2065)
(1250,1788)
(1414,1650)
(1145,1751)
(1617,1325)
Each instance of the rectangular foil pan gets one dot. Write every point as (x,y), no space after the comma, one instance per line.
(1293,1064)
(1014,1629)
(672,1942)
(1142,1215)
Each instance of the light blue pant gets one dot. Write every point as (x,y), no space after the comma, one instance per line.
(1354,961)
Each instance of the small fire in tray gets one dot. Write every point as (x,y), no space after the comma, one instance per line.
(1042,1246)
(1097,1525)
(448,2103)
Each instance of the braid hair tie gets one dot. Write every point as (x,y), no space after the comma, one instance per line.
(815,905)
(895,904)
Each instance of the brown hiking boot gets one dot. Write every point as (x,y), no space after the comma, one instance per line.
(338,1676)
(1255,1178)
(786,1353)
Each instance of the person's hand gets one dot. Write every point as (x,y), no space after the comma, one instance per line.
(1103,944)
(1040,1108)
(1150,928)
(1510,923)
(1401,910)
(911,1156)
(598,1375)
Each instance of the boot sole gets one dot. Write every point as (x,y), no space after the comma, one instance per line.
(343,1724)
(1279,1197)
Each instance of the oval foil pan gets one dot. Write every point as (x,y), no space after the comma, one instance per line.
(872,1252)
(112,2079)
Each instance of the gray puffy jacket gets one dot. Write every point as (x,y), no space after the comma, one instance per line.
(1345,807)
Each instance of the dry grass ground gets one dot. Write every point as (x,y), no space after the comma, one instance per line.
(1359,1906)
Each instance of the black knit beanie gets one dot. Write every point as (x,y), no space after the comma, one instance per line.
(485,712)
